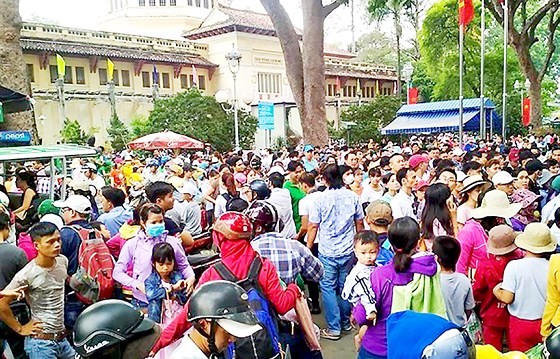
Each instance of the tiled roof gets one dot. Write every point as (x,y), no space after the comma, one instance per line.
(113,52)
(237,20)
(353,72)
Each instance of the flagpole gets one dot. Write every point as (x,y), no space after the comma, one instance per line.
(482,53)
(504,91)
(461,39)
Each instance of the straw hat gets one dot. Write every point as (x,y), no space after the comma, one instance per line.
(536,238)
(472,182)
(501,240)
(496,204)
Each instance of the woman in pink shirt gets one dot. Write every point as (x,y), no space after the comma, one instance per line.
(495,209)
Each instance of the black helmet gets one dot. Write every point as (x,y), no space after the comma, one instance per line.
(256,163)
(109,324)
(263,214)
(225,304)
(552,345)
(260,188)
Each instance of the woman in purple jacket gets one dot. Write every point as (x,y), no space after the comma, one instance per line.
(404,234)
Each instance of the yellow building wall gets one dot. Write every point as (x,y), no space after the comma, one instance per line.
(91,105)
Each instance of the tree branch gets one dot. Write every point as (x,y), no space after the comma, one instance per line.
(327,9)
(493,8)
(552,26)
(534,20)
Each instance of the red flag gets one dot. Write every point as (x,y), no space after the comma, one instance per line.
(337,90)
(526,111)
(413,95)
(466,13)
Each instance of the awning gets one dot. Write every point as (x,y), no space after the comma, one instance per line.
(13,101)
(442,116)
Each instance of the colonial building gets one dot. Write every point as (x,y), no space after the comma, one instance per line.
(166,41)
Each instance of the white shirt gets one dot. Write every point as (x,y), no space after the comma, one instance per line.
(280,198)
(98,182)
(369,194)
(188,350)
(526,278)
(402,205)
(549,209)
(305,205)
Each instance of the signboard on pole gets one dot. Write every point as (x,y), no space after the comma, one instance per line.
(266,115)
(19,137)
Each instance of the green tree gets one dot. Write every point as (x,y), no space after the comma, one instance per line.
(72,133)
(192,114)
(118,134)
(376,47)
(437,72)
(139,126)
(371,117)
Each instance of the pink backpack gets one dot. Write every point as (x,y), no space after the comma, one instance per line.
(26,243)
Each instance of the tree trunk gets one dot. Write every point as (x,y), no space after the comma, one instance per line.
(289,41)
(314,123)
(13,71)
(531,73)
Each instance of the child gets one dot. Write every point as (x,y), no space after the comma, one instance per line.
(44,279)
(165,286)
(357,287)
(490,272)
(524,286)
(456,287)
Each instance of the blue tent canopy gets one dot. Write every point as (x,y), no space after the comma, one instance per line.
(442,116)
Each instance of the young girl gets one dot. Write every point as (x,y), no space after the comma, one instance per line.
(165,287)
(473,186)
(524,286)
(391,185)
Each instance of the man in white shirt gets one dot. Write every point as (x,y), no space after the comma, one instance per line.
(280,198)
(90,171)
(402,203)
(216,323)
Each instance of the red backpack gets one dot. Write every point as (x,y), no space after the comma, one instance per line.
(93,281)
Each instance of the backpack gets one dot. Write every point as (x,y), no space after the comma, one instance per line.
(93,281)
(265,343)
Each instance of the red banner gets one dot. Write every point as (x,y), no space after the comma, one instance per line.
(412,95)
(526,111)
(466,13)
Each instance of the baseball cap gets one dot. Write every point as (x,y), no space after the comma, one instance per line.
(420,185)
(54,219)
(79,185)
(308,148)
(178,170)
(379,212)
(188,188)
(90,166)
(502,177)
(240,177)
(533,166)
(75,202)
(415,160)
(514,155)
(458,152)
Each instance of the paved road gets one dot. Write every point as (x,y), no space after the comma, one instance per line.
(340,349)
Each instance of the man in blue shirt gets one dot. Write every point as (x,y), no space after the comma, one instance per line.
(309,162)
(335,216)
(112,200)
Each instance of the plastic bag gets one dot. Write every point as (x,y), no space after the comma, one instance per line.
(535,352)
(474,328)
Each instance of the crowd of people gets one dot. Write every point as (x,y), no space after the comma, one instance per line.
(370,237)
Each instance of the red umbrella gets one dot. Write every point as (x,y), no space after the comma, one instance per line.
(165,139)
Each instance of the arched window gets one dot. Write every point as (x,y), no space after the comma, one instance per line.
(172,2)
(162,3)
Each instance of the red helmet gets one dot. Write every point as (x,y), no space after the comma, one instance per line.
(234,225)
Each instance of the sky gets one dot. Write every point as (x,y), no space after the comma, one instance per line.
(87,14)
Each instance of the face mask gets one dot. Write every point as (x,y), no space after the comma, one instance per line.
(155,230)
(348,180)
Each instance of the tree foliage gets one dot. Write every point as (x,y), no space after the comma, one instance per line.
(119,134)
(371,117)
(192,114)
(437,73)
(377,48)
(72,132)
